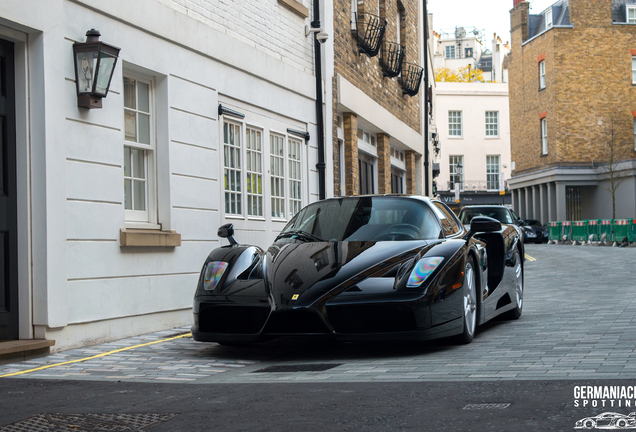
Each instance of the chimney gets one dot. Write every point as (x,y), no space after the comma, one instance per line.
(519,21)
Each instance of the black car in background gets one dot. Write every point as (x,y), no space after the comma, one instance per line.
(502,214)
(534,231)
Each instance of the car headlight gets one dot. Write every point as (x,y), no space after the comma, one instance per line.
(213,272)
(423,270)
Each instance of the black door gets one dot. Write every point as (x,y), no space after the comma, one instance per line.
(8,201)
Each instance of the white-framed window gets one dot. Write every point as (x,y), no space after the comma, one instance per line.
(456,164)
(450,51)
(548,19)
(631,14)
(634,70)
(354,13)
(492,123)
(139,150)
(544,136)
(469,52)
(254,171)
(542,74)
(397,154)
(277,175)
(455,123)
(295,176)
(232,168)
(397,181)
(492,172)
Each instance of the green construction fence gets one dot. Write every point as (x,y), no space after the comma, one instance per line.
(554,231)
(579,230)
(592,229)
(605,227)
(622,227)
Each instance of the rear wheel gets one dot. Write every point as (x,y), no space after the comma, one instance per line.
(518,295)
(470,302)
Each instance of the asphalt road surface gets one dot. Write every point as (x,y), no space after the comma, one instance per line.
(577,330)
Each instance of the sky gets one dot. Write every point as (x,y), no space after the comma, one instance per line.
(488,16)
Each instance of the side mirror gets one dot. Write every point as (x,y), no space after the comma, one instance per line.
(482,224)
(520,222)
(227,231)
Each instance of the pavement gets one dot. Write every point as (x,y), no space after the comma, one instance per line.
(578,322)
(577,329)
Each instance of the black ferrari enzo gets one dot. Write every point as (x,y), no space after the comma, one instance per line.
(363,268)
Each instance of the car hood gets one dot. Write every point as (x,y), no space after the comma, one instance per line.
(311,270)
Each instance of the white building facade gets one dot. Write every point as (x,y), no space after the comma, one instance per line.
(472,121)
(206,123)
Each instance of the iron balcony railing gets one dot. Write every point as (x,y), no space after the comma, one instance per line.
(369,30)
(411,78)
(391,59)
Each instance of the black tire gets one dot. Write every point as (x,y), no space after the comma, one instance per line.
(470,302)
(519,286)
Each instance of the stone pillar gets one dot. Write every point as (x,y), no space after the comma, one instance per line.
(561,212)
(514,196)
(352,181)
(536,212)
(384,164)
(543,199)
(410,171)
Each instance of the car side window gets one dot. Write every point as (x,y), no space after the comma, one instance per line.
(449,222)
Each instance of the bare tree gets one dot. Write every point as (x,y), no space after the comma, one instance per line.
(610,144)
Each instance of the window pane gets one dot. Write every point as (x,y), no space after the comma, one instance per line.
(139,193)
(144,128)
(130,126)
(138,164)
(143,97)
(128,194)
(127,163)
(129,93)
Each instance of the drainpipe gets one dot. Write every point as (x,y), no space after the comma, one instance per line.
(426,97)
(319,114)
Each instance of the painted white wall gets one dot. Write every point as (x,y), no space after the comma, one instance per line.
(85,287)
(473,99)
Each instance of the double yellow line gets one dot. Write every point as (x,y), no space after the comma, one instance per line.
(96,356)
(529,258)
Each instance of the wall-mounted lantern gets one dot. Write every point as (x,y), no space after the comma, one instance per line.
(94,66)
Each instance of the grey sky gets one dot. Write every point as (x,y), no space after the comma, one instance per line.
(489,16)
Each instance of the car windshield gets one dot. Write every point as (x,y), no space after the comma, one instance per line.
(363,219)
(499,213)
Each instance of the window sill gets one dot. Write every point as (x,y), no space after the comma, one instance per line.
(492,137)
(543,154)
(296,7)
(149,238)
(541,88)
(455,137)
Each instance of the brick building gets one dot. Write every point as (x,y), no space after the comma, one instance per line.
(572,109)
(378,142)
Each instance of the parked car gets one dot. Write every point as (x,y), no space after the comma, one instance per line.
(502,214)
(534,231)
(363,268)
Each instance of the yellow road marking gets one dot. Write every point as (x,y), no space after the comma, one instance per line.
(529,258)
(96,356)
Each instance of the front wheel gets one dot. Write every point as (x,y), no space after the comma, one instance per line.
(518,295)
(470,303)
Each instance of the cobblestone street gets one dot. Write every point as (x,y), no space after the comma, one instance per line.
(578,321)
